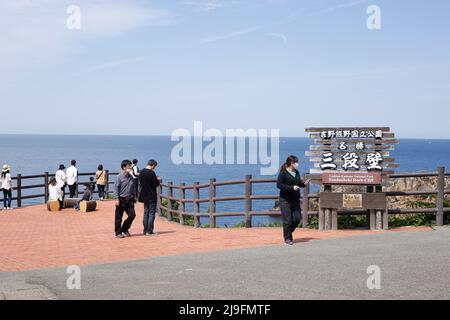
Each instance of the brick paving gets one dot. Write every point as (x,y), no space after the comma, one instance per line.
(33,238)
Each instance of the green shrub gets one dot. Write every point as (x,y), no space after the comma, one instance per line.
(423,219)
(352,222)
(175,206)
(313,222)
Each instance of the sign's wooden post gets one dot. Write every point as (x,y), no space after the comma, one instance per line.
(356,156)
(334,219)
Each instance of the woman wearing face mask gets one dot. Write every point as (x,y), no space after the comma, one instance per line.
(289,183)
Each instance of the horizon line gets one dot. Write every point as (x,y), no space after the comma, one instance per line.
(164,135)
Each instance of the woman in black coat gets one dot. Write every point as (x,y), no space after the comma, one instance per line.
(289,183)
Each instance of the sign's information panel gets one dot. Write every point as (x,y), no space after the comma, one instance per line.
(354,178)
(352,201)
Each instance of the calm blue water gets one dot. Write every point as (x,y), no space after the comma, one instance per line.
(35,154)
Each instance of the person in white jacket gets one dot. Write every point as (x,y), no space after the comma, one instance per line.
(6,186)
(61,179)
(72,178)
(55,193)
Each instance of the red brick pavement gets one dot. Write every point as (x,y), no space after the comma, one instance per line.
(33,238)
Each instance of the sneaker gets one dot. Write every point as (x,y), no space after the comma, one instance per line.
(126,234)
(151,234)
(120,236)
(289,242)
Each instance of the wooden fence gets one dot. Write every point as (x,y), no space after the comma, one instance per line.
(167,192)
(20,186)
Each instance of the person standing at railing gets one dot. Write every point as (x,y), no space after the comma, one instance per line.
(135,173)
(72,178)
(55,192)
(6,184)
(289,183)
(148,196)
(100,175)
(125,192)
(61,179)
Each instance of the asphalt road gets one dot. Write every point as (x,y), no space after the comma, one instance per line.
(413,265)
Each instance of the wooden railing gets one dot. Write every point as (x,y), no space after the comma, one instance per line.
(167,191)
(40,189)
(212,200)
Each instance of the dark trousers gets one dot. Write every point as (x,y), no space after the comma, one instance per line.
(63,189)
(61,204)
(136,188)
(101,191)
(149,216)
(128,207)
(291,217)
(7,198)
(72,190)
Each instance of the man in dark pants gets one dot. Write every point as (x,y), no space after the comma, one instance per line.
(126,197)
(72,178)
(148,195)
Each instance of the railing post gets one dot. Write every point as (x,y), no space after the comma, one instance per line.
(212,203)
(107,184)
(196,205)
(182,207)
(248,201)
(46,182)
(305,204)
(169,201)
(440,196)
(159,199)
(19,190)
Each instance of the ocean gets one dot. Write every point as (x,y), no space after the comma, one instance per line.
(36,154)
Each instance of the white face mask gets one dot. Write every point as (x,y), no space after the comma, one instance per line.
(295,166)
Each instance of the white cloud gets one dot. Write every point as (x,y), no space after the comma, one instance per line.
(34,32)
(208,6)
(281,36)
(109,65)
(231,34)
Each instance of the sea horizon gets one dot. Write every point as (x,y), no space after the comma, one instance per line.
(168,135)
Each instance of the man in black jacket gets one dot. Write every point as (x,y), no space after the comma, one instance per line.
(149,182)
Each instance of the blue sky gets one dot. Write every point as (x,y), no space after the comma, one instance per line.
(150,67)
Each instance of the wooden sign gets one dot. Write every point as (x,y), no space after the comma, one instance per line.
(353,178)
(352,149)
